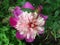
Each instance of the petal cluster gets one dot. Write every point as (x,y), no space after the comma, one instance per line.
(27,24)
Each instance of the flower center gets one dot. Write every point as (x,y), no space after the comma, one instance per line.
(32,25)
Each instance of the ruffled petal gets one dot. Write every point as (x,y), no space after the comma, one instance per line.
(13,21)
(44,16)
(19,36)
(28,5)
(40,21)
(17,11)
(40,30)
(29,40)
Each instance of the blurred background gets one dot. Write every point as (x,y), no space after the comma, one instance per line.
(51,8)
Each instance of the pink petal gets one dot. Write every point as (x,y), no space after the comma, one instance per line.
(40,8)
(13,21)
(41,30)
(17,11)
(28,5)
(19,36)
(29,40)
(17,7)
(44,16)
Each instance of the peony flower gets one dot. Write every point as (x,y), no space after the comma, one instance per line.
(27,24)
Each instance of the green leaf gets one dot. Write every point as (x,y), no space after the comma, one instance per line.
(4,28)
(55,26)
(58,36)
(19,1)
(11,44)
(0,42)
(5,4)
(54,34)
(20,43)
(56,13)
(48,1)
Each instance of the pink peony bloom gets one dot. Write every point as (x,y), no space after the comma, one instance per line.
(28,25)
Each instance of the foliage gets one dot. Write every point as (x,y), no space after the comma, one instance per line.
(52,27)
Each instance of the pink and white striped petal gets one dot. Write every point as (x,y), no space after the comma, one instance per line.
(29,40)
(44,16)
(40,30)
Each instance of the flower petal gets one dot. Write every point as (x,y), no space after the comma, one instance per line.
(40,8)
(40,21)
(17,11)
(28,5)
(29,40)
(44,16)
(13,21)
(19,36)
(40,30)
